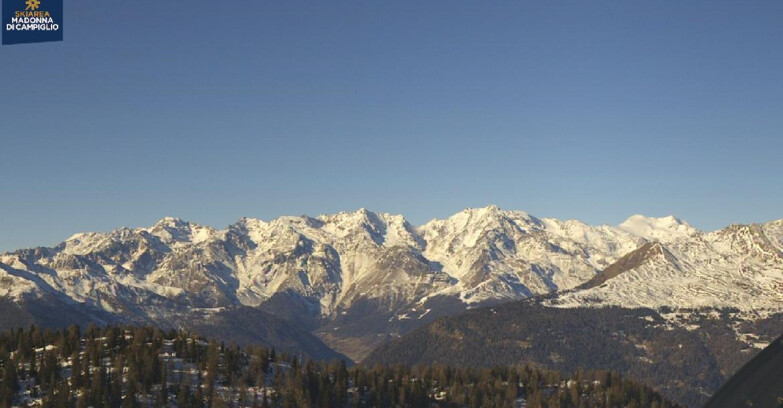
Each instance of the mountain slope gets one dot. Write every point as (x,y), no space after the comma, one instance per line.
(758,384)
(649,252)
(240,325)
(683,364)
(740,266)
(505,254)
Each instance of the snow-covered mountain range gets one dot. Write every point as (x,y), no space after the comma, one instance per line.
(355,266)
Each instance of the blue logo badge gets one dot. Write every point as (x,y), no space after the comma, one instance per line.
(32,21)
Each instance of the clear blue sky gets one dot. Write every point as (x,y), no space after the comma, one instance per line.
(211,111)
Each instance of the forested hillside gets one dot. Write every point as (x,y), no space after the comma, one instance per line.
(684,365)
(145,367)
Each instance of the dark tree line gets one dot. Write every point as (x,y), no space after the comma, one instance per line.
(130,367)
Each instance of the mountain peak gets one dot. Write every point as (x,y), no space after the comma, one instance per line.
(641,217)
(358,217)
(489,209)
(661,229)
(173,229)
(170,222)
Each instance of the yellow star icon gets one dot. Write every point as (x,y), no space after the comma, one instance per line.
(32,4)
